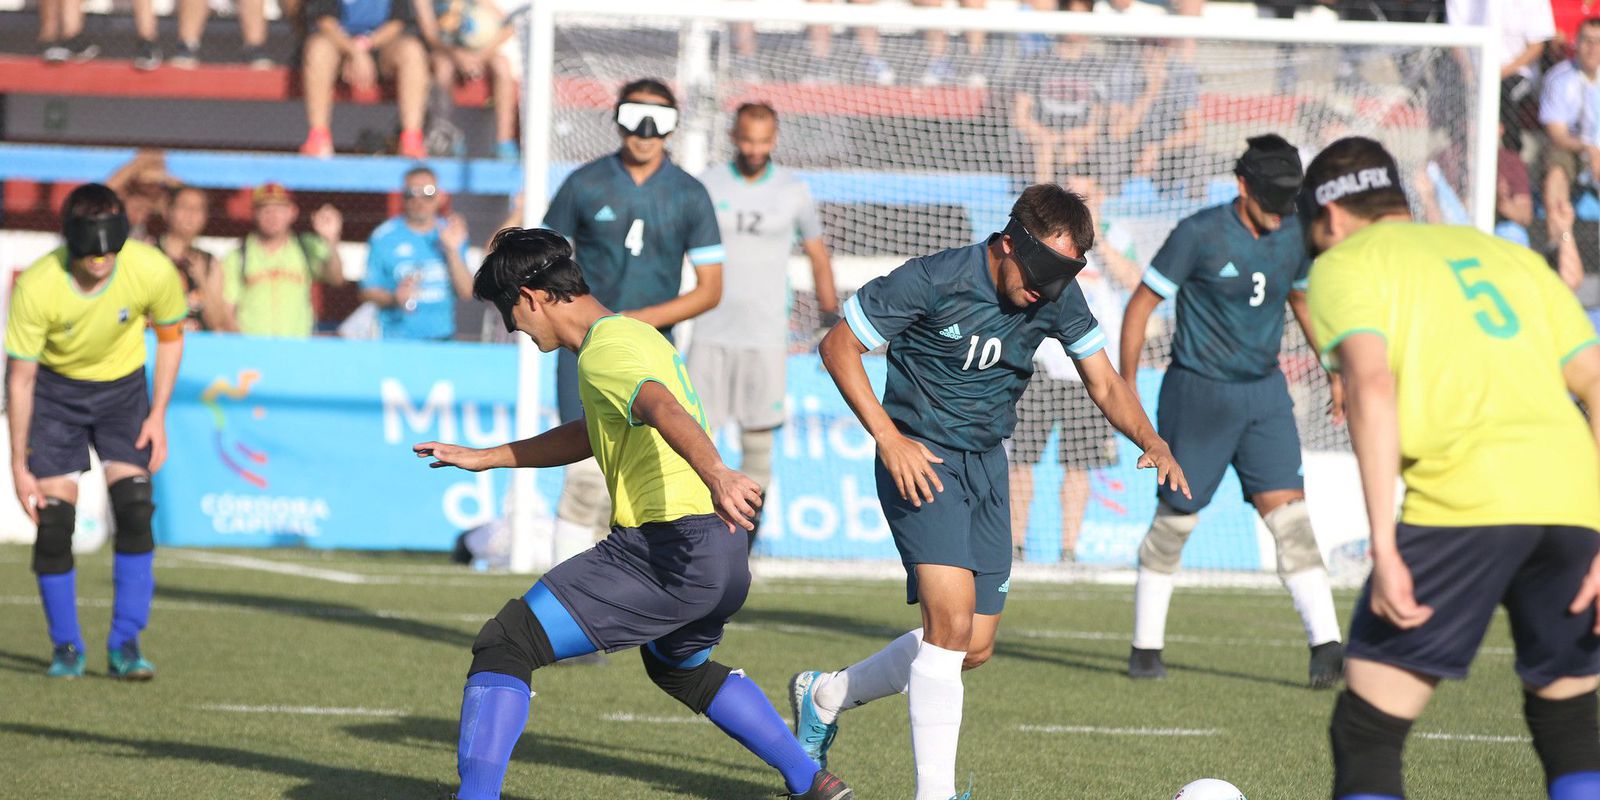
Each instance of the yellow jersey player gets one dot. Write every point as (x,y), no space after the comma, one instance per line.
(1460,354)
(673,569)
(75,339)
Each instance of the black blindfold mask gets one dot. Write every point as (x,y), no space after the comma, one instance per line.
(1043,270)
(95,236)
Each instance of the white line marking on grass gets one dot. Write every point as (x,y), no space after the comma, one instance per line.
(279,567)
(314,612)
(623,716)
(1473,737)
(1094,730)
(321,711)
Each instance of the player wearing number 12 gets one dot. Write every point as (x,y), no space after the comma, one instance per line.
(1224,401)
(1461,353)
(962,327)
(671,572)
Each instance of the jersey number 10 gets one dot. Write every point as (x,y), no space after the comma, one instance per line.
(991,353)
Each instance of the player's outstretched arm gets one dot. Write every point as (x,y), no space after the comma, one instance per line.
(1134,320)
(1122,409)
(557,447)
(20,377)
(169,353)
(908,461)
(735,495)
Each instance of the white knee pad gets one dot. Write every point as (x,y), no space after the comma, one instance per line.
(1162,547)
(585,500)
(1290,525)
(757,463)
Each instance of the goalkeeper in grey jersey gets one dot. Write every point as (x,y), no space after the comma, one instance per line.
(739,350)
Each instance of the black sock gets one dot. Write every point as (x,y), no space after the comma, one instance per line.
(1367,745)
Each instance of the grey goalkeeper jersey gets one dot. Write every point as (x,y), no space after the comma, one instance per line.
(760,220)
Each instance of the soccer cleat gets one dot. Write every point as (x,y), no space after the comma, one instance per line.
(1327,665)
(128,664)
(1146,664)
(815,735)
(66,662)
(148,55)
(825,786)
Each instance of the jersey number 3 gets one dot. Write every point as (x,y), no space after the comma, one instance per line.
(991,353)
(635,240)
(1503,327)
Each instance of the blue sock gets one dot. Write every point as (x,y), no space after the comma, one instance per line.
(743,712)
(60,596)
(1576,786)
(494,710)
(135,587)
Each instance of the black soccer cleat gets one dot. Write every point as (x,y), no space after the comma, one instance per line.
(1327,665)
(1146,665)
(825,786)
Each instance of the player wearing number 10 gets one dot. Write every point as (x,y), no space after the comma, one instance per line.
(1460,353)
(1224,400)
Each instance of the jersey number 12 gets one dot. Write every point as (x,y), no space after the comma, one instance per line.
(635,240)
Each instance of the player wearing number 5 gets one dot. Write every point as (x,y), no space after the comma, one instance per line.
(1224,401)
(962,327)
(633,216)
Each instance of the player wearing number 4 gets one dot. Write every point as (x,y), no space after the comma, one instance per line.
(1224,401)
(674,568)
(633,216)
(962,327)
(1461,354)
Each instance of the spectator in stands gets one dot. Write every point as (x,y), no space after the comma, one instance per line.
(143,183)
(61,37)
(359,40)
(1059,106)
(1513,197)
(820,40)
(1183,8)
(1155,111)
(417,265)
(1525,26)
(252,15)
(472,39)
(187,212)
(942,68)
(267,280)
(1569,110)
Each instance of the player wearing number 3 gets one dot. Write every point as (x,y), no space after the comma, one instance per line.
(1224,401)
(962,327)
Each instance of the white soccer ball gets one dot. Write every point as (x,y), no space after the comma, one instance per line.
(1209,789)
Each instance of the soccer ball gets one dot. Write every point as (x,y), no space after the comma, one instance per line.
(1209,789)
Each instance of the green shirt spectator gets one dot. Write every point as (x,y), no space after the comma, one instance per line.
(268,278)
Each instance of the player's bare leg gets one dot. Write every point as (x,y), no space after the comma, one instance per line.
(1074,503)
(1301,569)
(319,61)
(1021,499)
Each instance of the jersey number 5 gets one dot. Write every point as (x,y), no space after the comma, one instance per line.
(635,240)
(1507,325)
(991,353)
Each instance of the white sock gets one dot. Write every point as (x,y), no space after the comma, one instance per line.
(571,538)
(1152,596)
(935,690)
(1313,598)
(881,674)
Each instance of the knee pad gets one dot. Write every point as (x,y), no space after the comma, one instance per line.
(757,463)
(694,686)
(584,496)
(132,505)
(1564,733)
(52,548)
(1162,547)
(1366,748)
(513,643)
(1290,525)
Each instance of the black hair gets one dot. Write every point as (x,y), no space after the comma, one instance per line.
(1265,144)
(177,191)
(537,258)
(1350,156)
(91,200)
(1049,209)
(756,110)
(420,169)
(647,86)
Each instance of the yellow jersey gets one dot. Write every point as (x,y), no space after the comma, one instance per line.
(649,481)
(93,337)
(1478,330)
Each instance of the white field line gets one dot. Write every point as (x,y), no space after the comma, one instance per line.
(1473,737)
(623,716)
(278,567)
(1095,730)
(328,612)
(317,711)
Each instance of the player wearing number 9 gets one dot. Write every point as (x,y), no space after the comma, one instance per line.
(1224,400)
(1460,353)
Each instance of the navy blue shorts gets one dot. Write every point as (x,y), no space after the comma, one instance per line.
(968,525)
(1210,424)
(1463,574)
(71,415)
(670,584)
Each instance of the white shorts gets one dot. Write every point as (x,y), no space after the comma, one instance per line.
(744,386)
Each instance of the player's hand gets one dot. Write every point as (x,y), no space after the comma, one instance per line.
(910,463)
(1159,457)
(1392,597)
(360,71)
(405,294)
(27,492)
(1588,593)
(454,233)
(154,434)
(328,223)
(737,498)
(470,459)
(1336,393)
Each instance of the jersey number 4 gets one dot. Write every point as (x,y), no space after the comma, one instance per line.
(991,353)
(635,240)
(1502,323)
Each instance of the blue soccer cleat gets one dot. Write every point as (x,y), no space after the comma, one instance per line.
(65,662)
(815,735)
(128,664)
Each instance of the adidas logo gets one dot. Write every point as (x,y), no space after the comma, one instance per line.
(605,214)
(1229,271)
(1005,588)
(952,332)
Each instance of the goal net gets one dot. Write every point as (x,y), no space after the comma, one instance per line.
(915,130)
